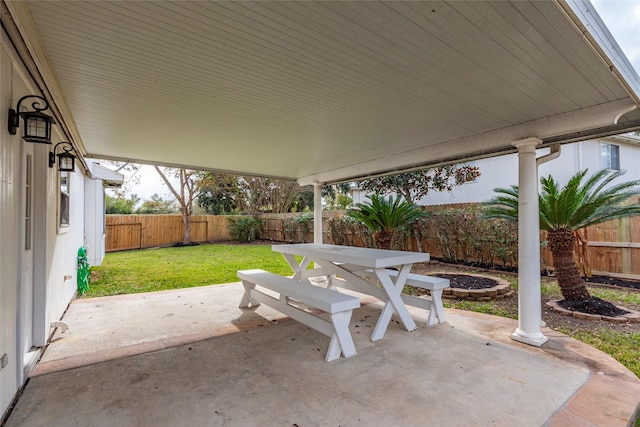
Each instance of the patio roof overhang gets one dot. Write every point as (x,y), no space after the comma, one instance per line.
(323,91)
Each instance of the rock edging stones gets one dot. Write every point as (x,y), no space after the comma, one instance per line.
(501,290)
(632,316)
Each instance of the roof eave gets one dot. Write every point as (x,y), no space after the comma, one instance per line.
(587,21)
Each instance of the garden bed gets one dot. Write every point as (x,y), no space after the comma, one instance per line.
(475,287)
(472,287)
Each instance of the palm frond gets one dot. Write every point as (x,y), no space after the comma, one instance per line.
(504,206)
(386,213)
(582,202)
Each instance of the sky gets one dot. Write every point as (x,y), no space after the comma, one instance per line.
(622,17)
(148,184)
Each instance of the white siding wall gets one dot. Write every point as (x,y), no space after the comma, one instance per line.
(63,251)
(9,198)
(94,221)
(54,249)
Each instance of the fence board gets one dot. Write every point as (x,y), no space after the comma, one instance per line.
(123,236)
(614,246)
(147,231)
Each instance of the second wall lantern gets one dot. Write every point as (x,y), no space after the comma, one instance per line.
(66,160)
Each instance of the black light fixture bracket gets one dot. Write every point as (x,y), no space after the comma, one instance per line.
(37,127)
(66,160)
(14,115)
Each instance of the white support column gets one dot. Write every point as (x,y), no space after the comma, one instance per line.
(529,293)
(317,212)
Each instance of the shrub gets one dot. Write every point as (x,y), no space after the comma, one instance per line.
(297,229)
(347,231)
(457,235)
(289,228)
(243,229)
(467,236)
(305,223)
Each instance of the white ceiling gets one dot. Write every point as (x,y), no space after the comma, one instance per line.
(325,91)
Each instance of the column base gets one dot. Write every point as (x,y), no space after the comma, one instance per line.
(535,340)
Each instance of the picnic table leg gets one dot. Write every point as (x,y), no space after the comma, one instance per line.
(394,303)
(341,341)
(436,311)
(297,268)
(246,301)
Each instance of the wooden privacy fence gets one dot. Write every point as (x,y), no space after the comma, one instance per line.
(285,228)
(148,231)
(614,246)
(125,232)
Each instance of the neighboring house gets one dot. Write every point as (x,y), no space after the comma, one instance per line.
(45,217)
(614,152)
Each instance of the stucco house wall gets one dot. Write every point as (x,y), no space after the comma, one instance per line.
(503,171)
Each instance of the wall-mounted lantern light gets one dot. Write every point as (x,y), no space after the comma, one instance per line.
(66,160)
(37,125)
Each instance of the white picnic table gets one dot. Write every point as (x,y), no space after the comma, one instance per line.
(359,269)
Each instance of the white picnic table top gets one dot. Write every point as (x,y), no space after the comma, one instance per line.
(365,257)
(344,261)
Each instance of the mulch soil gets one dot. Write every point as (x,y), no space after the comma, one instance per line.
(552,318)
(466,281)
(593,306)
(614,282)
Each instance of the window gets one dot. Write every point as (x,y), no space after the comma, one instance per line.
(28,199)
(610,157)
(64,199)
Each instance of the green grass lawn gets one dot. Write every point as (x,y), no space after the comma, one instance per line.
(160,269)
(172,268)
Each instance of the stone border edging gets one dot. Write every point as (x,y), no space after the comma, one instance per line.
(633,316)
(502,290)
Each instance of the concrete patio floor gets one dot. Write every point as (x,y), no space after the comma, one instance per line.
(192,357)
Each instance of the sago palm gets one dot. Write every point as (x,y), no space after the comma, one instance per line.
(383,216)
(582,202)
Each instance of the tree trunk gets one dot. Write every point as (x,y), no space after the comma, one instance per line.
(561,244)
(184,197)
(418,233)
(186,220)
(383,238)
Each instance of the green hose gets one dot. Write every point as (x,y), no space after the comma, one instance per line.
(83,271)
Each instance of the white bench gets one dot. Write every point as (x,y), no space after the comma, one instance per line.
(434,304)
(339,306)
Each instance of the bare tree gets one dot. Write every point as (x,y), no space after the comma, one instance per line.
(284,195)
(265,194)
(188,181)
(254,194)
(130,172)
